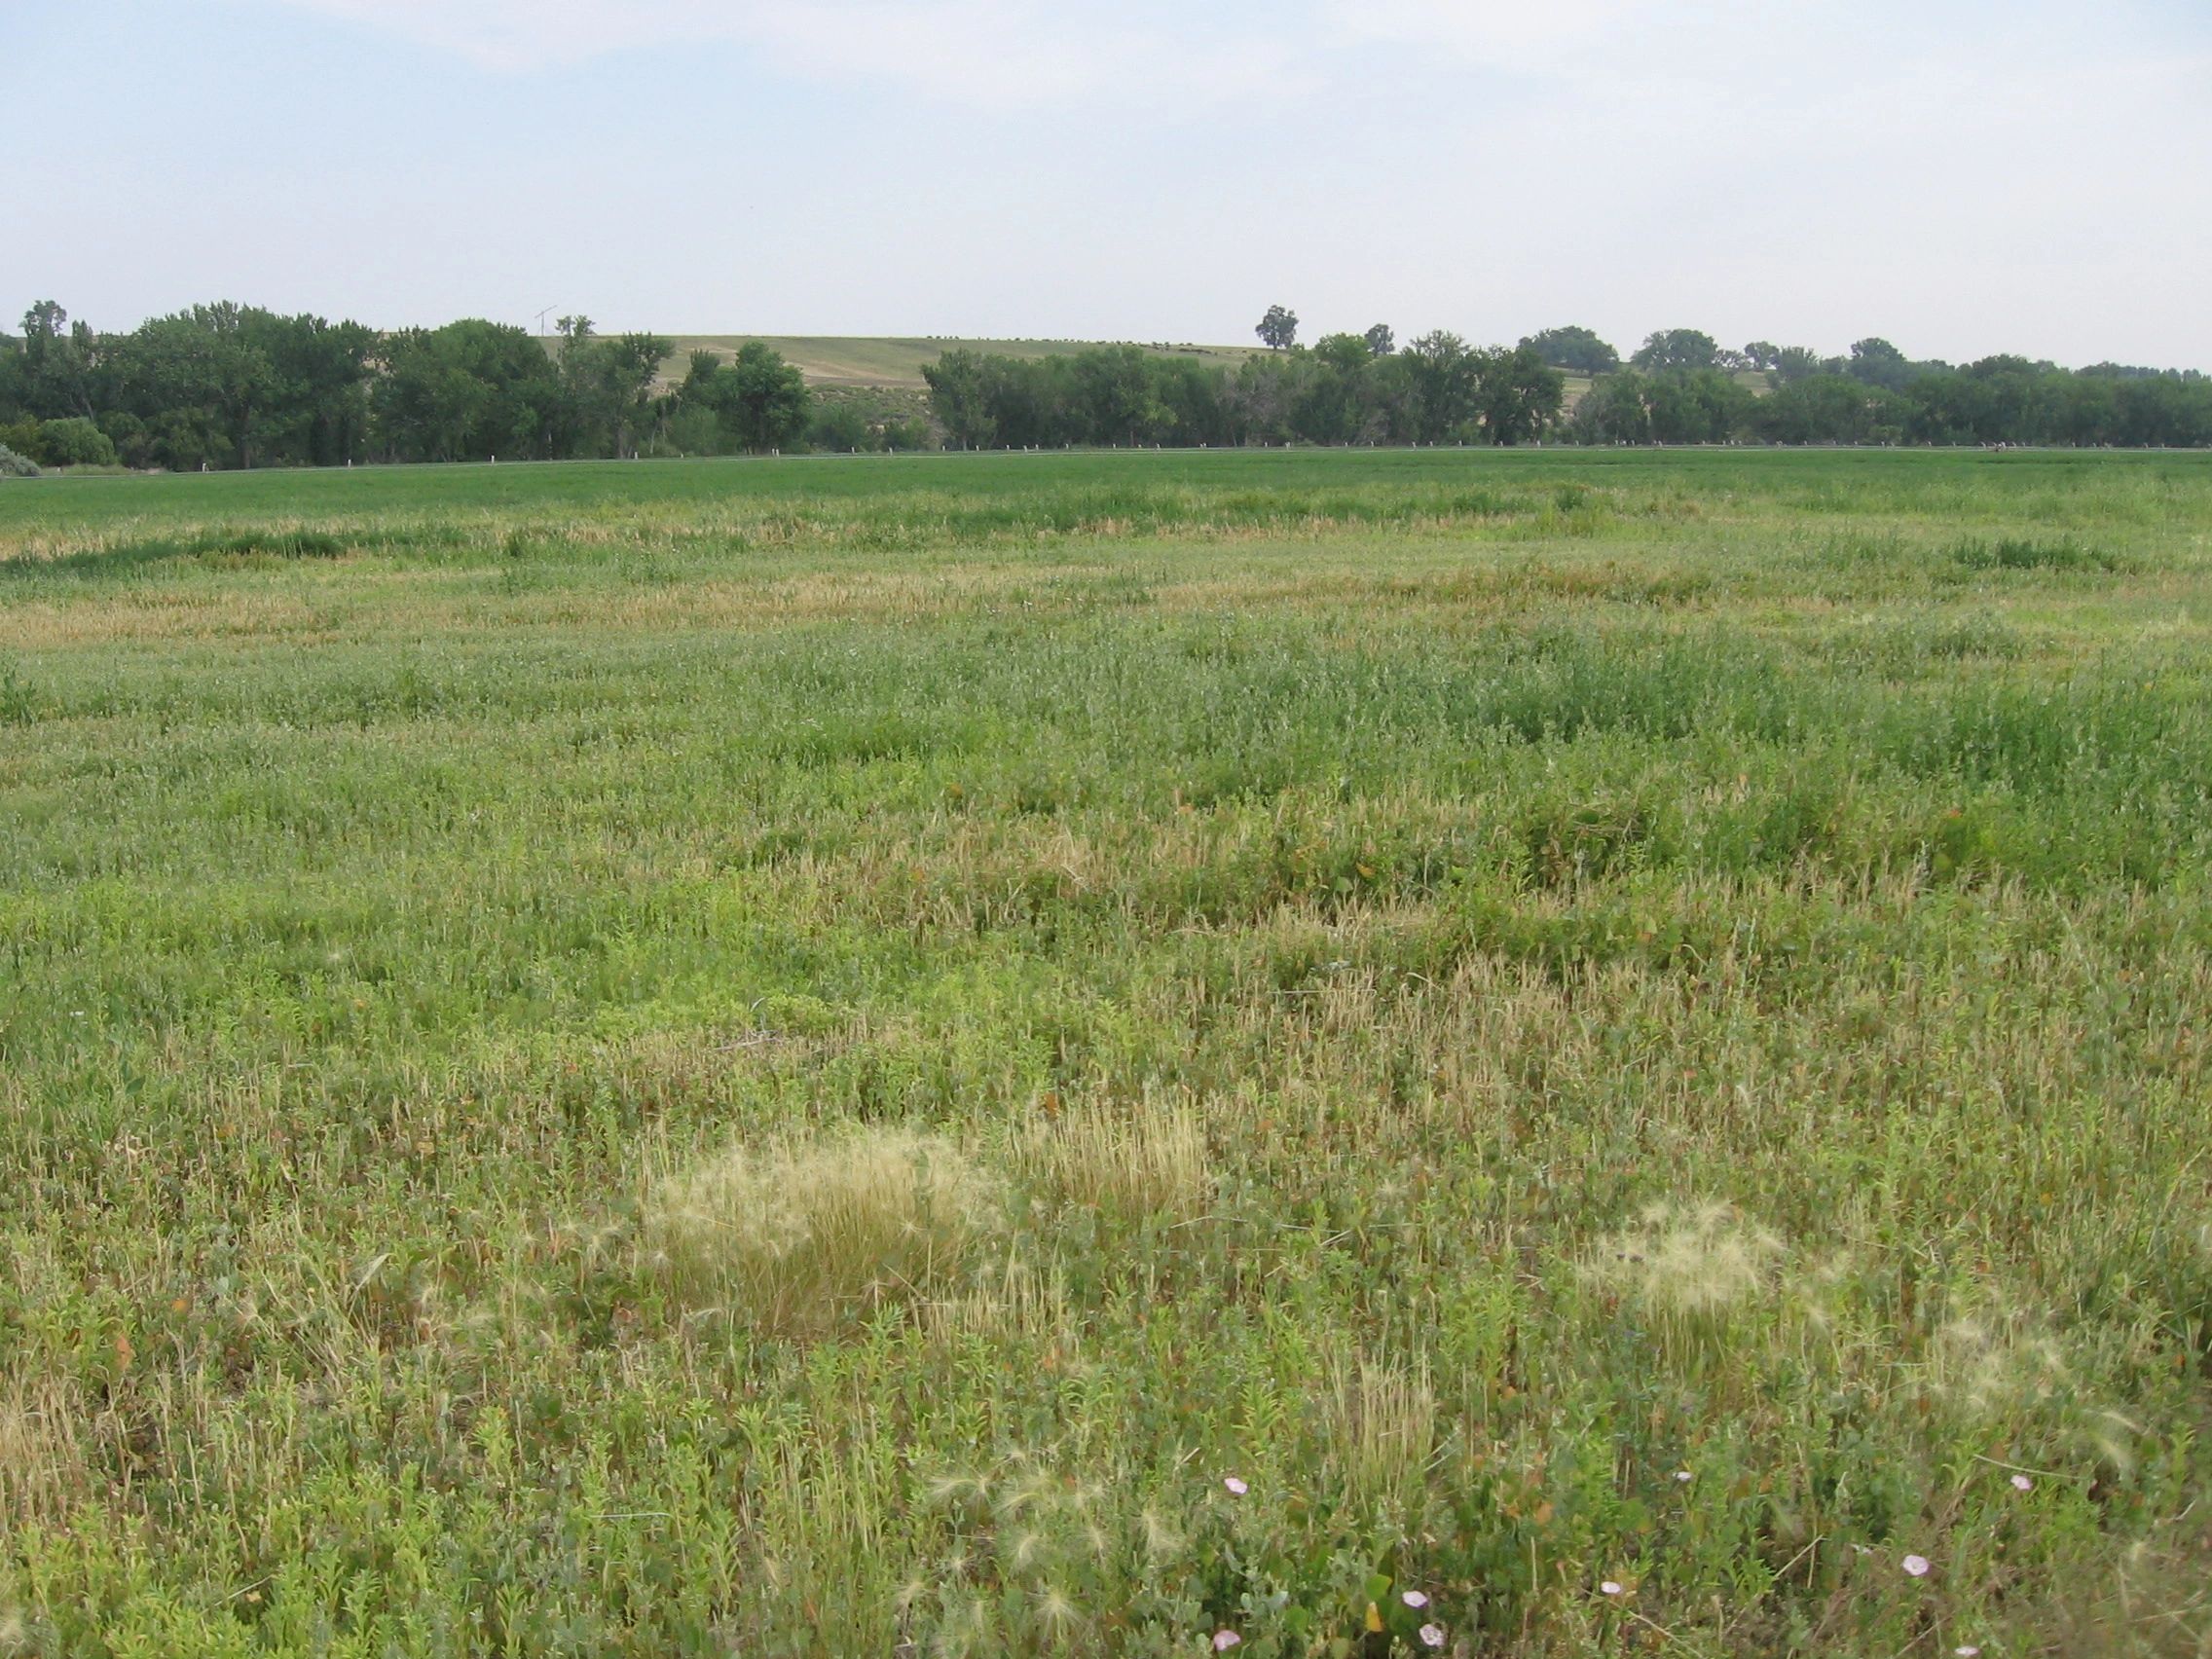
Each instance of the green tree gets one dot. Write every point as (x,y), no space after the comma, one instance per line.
(1443,382)
(1613,411)
(1676,350)
(1789,364)
(1519,394)
(1876,362)
(1278,329)
(959,383)
(768,401)
(1576,350)
(466,391)
(1381,342)
(841,427)
(74,442)
(607,382)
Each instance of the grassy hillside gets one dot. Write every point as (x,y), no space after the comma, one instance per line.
(1509,1055)
(827,360)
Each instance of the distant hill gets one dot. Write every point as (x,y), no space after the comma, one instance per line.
(834,360)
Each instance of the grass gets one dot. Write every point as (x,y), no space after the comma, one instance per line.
(800,1057)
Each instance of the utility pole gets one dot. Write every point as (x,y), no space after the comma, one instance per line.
(541,316)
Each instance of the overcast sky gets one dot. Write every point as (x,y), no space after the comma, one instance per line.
(1963,176)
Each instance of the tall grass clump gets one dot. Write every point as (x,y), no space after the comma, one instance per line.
(1147,1164)
(1689,1271)
(798,1239)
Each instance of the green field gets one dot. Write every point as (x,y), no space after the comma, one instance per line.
(811,1058)
(855,361)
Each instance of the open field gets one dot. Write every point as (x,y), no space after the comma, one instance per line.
(814,1057)
(854,361)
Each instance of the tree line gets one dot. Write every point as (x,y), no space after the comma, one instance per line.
(1349,389)
(230,386)
(1679,386)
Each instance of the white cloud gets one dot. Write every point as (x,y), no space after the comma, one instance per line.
(1503,34)
(993,54)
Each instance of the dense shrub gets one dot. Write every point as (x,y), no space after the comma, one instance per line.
(74,442)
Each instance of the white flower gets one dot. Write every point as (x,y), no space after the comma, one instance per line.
(1237,1487)
(1967,1650)
(1681,1475)
(1431,1636)
(1916,1566)
(2021,1483)
(1225,1639)
(1414,1598)
(1609,1588)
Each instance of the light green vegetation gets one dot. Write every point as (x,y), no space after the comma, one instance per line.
(807,1058)
(843,361)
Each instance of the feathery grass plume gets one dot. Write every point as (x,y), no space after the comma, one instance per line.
(799,1239)
(1382,1420)
(1688,1268)
(1993,1359)
(1149,1164)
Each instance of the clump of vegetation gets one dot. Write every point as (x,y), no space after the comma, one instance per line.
(2019,553)
(806,1237)
(1147,1166)
(13,466)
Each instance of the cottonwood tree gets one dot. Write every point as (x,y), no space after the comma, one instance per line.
(1575,349)
(960,397)
(1678,350)
(761,401)
(1278,329)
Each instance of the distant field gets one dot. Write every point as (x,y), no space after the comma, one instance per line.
(832,361)
(1495,1054)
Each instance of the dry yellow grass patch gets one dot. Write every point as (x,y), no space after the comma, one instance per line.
(799,1239)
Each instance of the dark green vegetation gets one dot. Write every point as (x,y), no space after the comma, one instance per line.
(796,1057)
(224,386)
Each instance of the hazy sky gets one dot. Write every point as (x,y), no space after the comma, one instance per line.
(1964,176)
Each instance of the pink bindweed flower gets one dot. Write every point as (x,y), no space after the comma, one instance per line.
(2021,1483)
(1237,1487)
(1431,1636)
(1609,1588)
(1415,1598)
(1916,1566)
(1225,1639)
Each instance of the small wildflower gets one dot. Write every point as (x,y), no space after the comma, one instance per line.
(1431,1636)
(1916,1566)
(2021,1483)
(1967,1650)
(1610,1587)
(1415,1598)
(1236,1488)
(1682,1475)
(1225,1639)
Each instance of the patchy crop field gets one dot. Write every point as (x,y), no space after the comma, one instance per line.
(1333,1053)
